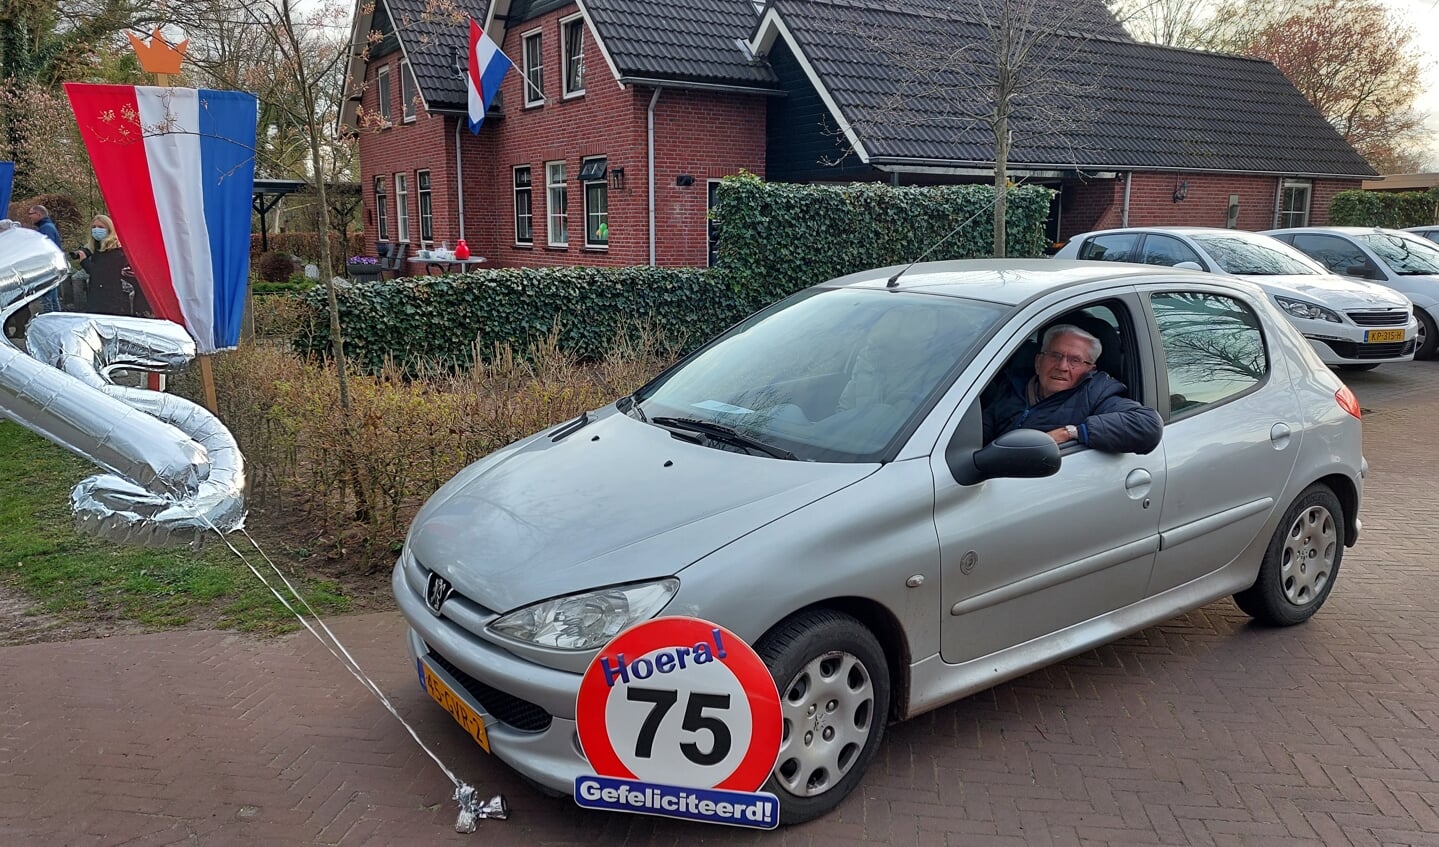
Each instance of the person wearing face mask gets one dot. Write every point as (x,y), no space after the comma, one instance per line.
(112,289)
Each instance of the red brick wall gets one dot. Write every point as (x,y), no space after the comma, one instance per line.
(1099,204)
(701,134)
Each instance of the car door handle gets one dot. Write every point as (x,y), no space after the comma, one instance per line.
(1279,436)
(1138,483)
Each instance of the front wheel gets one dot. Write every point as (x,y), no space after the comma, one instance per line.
(1301,562)
(833,683)
(1428,337)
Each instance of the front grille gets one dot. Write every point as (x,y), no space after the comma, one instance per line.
(1387,317)
(1350,350)
(506,708)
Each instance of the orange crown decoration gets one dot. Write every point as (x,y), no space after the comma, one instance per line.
(158,57)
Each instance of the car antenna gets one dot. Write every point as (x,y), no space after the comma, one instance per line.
(894,280)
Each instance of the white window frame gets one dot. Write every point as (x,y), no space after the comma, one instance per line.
(1286,216)
(382,215)
(408,108)
(382,93)
(557,205)
(402,208)
(528,216)
(568,89)
(534,69)
(425,200)
(604,187)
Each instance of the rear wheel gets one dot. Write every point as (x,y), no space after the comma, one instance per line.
(833,685)
(1301,562)
(1428,337)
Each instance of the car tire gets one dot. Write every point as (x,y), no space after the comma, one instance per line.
(1301,562)
(833,682)
(1428,338)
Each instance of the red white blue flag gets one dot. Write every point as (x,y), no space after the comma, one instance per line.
(488,66)
(176,167)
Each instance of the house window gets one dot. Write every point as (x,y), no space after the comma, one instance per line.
(409,92)
(712,232)
(427,210)
(382,214)
(524,211)
(597,202)
(557,199)
(572,55)
(1294,202)
(382,93)
(402,207)
(534,70)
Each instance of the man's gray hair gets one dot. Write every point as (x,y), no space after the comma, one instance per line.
(40,210)
(1095,348)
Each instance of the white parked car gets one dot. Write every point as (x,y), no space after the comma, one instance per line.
(1350,323)
(1429,232)
(1401,260)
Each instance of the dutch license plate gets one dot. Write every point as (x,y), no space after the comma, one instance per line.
(1379,336)
(458,709)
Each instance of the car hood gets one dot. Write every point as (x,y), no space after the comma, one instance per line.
(615,501)
(1336,292)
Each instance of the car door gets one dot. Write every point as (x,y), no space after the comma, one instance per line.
(1021,558)
(1231,432)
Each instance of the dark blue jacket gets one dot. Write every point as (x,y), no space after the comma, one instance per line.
(49,230)
(1107,420)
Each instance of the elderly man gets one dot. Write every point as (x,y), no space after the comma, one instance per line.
(40,219)
(1071,400)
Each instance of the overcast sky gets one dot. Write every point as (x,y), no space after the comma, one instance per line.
(1424,16)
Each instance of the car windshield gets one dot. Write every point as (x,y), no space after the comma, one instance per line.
(1406,255)
(833,375)
(1255,257)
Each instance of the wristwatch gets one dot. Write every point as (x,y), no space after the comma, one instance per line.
(1073,432)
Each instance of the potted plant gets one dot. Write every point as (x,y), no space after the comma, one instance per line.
(363,268)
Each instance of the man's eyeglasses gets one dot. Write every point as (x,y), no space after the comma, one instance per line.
(1072,361)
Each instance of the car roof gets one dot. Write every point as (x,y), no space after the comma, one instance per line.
(1013,281)
(1341,230)
(1174,230)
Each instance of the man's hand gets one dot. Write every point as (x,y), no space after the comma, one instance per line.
(1060,435)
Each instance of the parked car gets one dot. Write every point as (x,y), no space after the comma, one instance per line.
(1401,260)
(1351,324)
(815,481)
(1429,232)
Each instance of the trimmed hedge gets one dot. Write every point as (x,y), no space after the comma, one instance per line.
(441,321)
(1391,209)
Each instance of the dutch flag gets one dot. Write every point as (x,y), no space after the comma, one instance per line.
(488,66)
(176,167)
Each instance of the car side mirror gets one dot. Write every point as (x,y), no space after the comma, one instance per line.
(1020,454)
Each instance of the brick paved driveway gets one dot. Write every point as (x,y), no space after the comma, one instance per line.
(1201,731)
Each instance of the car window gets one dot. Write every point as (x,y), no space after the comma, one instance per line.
(1213,348)
(1118,247)
(1168,250)
(1339,255)
(1255,255)
(834,375)
(1406,255)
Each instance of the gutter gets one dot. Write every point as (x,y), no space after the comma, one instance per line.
(970,167)
(648,82)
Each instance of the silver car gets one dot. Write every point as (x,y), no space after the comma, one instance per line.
(815,480)
(1401,260)
(1429,232)
(1351,324)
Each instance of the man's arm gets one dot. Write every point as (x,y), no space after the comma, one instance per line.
(1121,425)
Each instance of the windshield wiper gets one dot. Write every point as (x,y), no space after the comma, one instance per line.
(720,432)
(631,403)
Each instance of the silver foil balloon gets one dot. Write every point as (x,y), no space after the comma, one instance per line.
(175,470)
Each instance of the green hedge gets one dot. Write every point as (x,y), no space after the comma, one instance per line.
(774,239)
(778,238)
(1392,209)
(440,320)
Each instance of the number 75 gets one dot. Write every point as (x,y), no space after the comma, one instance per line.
(662,701)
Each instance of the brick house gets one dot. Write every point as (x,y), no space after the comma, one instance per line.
(619,117)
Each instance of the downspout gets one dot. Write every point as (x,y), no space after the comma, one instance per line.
(459,178)
(650,143)
(1124,214)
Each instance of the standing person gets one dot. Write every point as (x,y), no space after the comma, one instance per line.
(112,289)
(40,218)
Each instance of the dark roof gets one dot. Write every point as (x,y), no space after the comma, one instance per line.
(1108,103)
(431,42)
(682,40)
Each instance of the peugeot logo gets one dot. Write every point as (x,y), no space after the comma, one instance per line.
(437,592)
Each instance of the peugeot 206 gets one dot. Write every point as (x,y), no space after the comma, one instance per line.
(816,480)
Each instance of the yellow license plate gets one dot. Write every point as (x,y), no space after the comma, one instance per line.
(458,709)
(1378,336)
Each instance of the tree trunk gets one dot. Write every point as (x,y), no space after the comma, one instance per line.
(1001,181)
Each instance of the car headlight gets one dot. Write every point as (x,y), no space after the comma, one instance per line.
(587,621)
(1312,311)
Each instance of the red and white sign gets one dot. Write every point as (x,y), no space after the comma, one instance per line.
(680,702)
